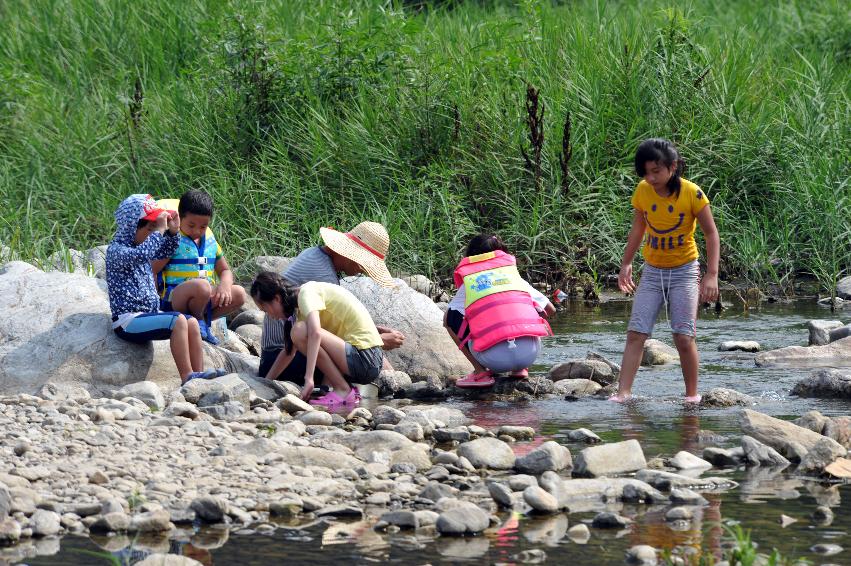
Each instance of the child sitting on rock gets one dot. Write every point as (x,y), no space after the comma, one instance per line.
(331,328)
(496,316)
(146,232)
(197,280)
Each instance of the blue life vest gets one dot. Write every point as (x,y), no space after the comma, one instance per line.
(190,261)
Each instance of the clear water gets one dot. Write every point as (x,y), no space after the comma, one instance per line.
(658,420)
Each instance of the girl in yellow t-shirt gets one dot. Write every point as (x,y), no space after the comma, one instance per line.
(666,209)
(333,330)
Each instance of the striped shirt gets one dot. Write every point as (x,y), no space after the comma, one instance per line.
(313,264)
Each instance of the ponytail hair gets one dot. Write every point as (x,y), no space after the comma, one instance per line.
(484,243)
(661,151)
(268,285)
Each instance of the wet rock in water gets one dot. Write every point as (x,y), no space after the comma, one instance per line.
(501,494)
(583,435)
(576,387)
(679,514)
(391,382)
(843,288)
(340,511)
(826,383)
(826,549)
(687,461)
(836,353)
(722,457)
(534,385)
(5,501)
(610,459)
(786,520)
(758,454)
(401,519)
(44,523)
(209,508)
(839,429)
(286,507)
(666,481)
(823,515)
(685,496)
(146,391)
(114,522)
(642,555)
(159,559)
(579,533)
(548,456)
(534,556)
(457,434)
(821,455)
(10,531)
(780,434)
(608,520)
(820,331)
(657,353)
(593,370)
(434,413)
(722,397)
(539,500)
(739,346)
(488,453)
(151,522)
(465,518)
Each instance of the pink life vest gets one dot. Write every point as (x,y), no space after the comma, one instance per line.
(498,306)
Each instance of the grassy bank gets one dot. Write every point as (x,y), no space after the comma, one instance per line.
(298,114)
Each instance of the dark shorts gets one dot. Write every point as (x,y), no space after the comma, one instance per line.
(293,372)
(364,365)
(454,319)
(166,306)
(148,326)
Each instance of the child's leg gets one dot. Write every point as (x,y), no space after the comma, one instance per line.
(331,358)
(645,309)
(179,344)
(192,297)
(632,354)
(196,350)
(452,322)
(171,326)
(237,300)
(689,360)
(683,298)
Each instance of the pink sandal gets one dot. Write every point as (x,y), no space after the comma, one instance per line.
(521,374)
(474,380)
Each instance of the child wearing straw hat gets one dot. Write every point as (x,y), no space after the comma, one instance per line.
(361,250)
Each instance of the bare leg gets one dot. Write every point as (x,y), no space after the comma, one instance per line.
(689,359)
(237,300)
(196,350)
(477,367)
(632,355)
(331,359)
(192,297)
(179,344)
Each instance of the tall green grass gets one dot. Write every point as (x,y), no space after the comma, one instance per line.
(297,115)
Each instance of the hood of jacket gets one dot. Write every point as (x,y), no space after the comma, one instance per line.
(127,217)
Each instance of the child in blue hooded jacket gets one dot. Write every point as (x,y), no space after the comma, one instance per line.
(146,232)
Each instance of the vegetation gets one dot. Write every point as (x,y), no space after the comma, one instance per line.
(741,552)
(438,119)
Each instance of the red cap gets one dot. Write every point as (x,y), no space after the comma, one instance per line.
(150,210)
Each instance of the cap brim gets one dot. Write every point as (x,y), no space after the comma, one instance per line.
(372,265)
(154,214)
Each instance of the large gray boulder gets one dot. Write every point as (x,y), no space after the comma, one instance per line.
(428,350)
(490,453)
(56,329)
(820,331)
(836,353)
(610,459)
(829,383)
(843,288)
(786,437)
(549,456)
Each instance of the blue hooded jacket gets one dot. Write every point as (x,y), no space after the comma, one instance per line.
(129,277)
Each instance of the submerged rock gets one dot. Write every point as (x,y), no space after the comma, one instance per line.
(784,436)
(739,345)
(722,397)
(833,354)
(827,383)
(758,454)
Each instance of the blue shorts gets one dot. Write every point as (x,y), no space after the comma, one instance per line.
(675,289)
(148,326)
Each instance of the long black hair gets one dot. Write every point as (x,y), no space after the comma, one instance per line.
(484,243)
(661,151)
(268,285)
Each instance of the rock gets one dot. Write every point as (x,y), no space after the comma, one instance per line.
(501,494)
(610,459)
(826,549)
(5,501)
(158,559)
(758,454)
(537,386)
(286,507)
(517,432)
(276,264)
(780,434)
(820,331)
(583,435)
(488,453)
(827,383)
(157,521)
(410,430)
(548,456)
(739,345)
(114,522)
(217,390)
(466,518)
(424,285)
(657,353)
(679,514)
(145,391)
(685,496)
(383,414)
(823,515)
(786,520)
(608,520)
(250,316)
(667,481)
(721,457)
(456,434)
(843,288)
(835,354)
(319,457)
(687,461)
(401,519)
(45,523)
(435,491)
(10,531)
(340,511)
(576,387)
(437,413)
(293,404)
(642,555)
(722,397)
(227,411)
(821,455)
(390,382)
(540,500)
(320,418)
(579,533)
(428,350)
(96,261)
(182,409)
(209,508)
(594,370)
(813,420)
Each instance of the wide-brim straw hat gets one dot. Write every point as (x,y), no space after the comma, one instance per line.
(366,244)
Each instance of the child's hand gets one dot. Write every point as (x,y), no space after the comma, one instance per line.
(222,295)
(625,282)
(709,288)
(173,222)
(161,223)
(392,338)
(307,390)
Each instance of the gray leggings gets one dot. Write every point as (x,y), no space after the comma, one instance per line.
(676,289)
(511,355)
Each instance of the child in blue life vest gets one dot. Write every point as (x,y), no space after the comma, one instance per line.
(666,210)
(144,233)
(197,280)
(496,316)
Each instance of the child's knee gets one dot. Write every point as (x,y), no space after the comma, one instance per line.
(299,334)
(192,325)
(180,324)
(683,341)
(634,337)
(238,295)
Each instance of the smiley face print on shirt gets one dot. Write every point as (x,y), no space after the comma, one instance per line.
(669,236)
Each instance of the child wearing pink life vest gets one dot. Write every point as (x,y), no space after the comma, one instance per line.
(496,316)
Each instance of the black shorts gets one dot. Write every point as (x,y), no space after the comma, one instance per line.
(454,319)
(293,372)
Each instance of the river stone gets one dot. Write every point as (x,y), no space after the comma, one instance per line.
(10,531)
(156,521)
(217,390)
(465,518)
(687,461)
(58,330)
(594,370)
(457,434)
(812,420)
(488,453)
(209,508)
(44,523)
(401,519)
(579,533)
(436,413)
(780,434)
(536,385)
(821,455)
(758,454)
(548,456)
(835,354)
(679,514)
(320,418)
(5,501)
(826,549)
(823,515)
(721,397)
(111,523)
(517,432)
(428,350)
(839,429)
(293,404)
(667,481)
(820,331)
(411,430)
(642,555)
(657,353)
(843,288)
(286,507)
(540,500)
(390,382)
(576,387)
(383,414)
(159,559)
(352,511)
(227,411)
(146,391)
(501,494)
(608,520)
(685,496)
(583,435)
(610,459)
(319,457)
(181,409)
(722,457)
(250,316)
(827,383)
(739,345)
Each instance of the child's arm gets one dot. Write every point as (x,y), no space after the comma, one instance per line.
(633,241)
(314,336)
(709,282)
(155,244)
(222,295)
(282,361)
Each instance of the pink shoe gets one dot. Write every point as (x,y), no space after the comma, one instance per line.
(330,400)
(476,380)
(694,399)
(522,374)
(618,398)
(352,400)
